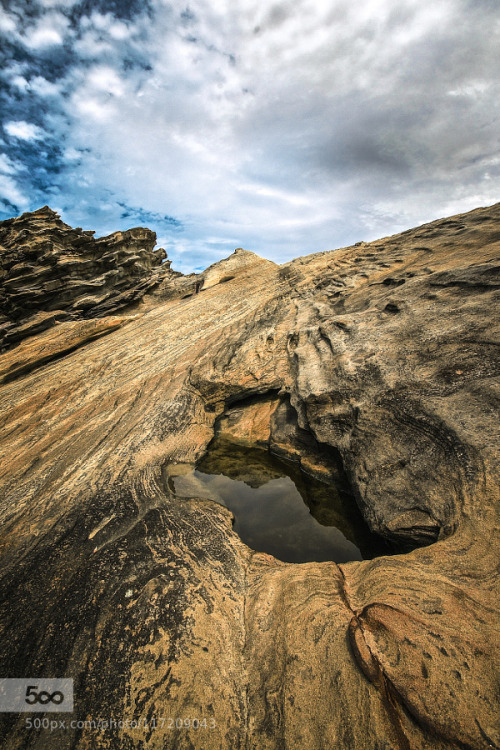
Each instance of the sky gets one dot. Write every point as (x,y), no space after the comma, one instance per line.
(285,128)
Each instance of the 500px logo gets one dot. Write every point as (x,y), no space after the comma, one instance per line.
(46,695)
(43,696)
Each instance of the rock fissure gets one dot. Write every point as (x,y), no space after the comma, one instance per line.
(373,671)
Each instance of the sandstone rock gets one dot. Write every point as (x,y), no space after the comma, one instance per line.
(377,362)
(37,351)
(50,272)
(225,270)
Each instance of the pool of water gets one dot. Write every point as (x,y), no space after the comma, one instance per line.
(280,510)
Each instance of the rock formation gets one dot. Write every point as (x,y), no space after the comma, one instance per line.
(379,361)
(51,272)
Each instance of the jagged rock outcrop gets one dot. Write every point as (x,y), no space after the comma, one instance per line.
(50,272)
(380,361)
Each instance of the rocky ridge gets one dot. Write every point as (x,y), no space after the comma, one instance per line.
(50,272)
(379,361)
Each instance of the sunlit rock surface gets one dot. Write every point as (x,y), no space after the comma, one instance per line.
(50,272)
(379,362)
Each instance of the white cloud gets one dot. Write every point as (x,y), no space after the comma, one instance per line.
(90,46)
(104,79)
(15,70)
(471,88)
(37,85)
(11,193)
(7,166)
(20,82)
(42,87)
(119,31)
(71,154)
(50,31)
(101,34)
(7,22)
(44,37)
(94,110)
(25,131)
(106,22)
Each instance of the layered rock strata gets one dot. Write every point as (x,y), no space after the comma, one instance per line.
(50,272)
(379,361)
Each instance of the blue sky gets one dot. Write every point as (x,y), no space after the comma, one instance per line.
(285,128)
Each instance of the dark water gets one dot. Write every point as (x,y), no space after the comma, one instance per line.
(280,510)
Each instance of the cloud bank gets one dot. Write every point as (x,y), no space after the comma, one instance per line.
(285,128)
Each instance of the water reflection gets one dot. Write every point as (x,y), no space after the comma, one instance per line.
(280,510)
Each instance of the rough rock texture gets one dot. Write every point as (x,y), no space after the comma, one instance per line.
(50,272)
(380,360)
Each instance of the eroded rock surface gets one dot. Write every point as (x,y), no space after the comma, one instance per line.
(50,272)
(380,361)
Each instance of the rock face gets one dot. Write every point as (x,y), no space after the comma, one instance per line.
(378,362)
(51,272)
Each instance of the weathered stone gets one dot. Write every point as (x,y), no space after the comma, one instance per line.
(379,362)
(37,351)
(50,271)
